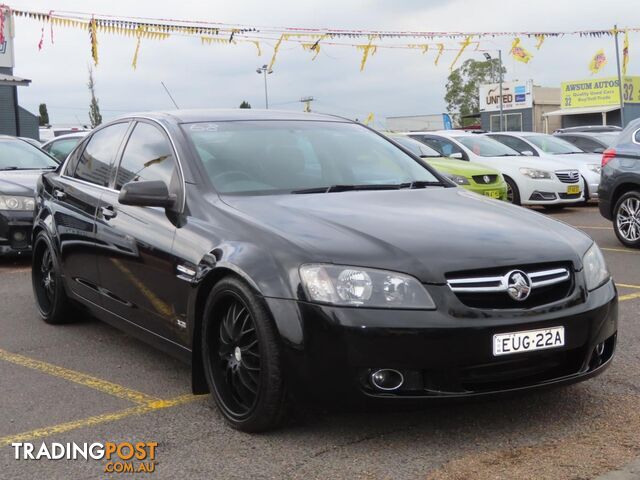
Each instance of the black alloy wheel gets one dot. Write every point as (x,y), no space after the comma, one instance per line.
(51,298)
(241,356)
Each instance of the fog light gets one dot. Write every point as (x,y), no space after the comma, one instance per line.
(600,349)
(387,379)
(19,236)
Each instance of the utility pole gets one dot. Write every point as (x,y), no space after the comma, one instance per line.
(265,70)
(307,103)
(620,85)
(501,80)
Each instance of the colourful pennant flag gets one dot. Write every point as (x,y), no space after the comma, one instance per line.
(598,62)
(625,52)
(369,119)
(520,53)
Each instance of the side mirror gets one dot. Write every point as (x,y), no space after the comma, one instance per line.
(599,150)
(527,153)
(147,194)
(456,155)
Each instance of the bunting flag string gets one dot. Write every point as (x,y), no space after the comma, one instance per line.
(310,39)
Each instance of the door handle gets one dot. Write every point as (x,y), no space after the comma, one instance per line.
(107,212)
(59,194)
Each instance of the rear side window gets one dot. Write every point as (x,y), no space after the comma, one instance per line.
(60,149)
(441,145)
(515,143)
(95,162)
(585,144)
(148,156)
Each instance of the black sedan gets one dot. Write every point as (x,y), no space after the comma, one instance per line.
(299,256)
(21,164)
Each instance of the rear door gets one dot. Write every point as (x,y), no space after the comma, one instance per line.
(75,198)
(137,268)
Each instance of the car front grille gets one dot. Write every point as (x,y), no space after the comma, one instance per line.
(568,176)
(489,289)
(570,196)
(485,179)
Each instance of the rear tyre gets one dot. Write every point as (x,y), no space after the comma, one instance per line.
(626,219)
(513,194)
(46,278)
(242,358)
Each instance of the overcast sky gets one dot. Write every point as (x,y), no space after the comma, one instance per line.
(395,82)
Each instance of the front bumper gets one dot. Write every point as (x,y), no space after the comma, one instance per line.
(330,352)
(549,192)
(15,232)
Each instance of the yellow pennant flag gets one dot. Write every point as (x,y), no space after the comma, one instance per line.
(367,50)
(464,44)
(369,119)
(94,40)
(598,62)
(440,50)
(540,41)
(520,53)
(625,52)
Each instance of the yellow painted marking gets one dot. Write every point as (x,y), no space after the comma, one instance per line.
(79,378)
(626,285)
(630,296)
(623,250)
(96,420)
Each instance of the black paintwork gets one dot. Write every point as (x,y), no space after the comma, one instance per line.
(148,270)
(622,173)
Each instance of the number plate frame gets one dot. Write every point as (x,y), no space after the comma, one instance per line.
(528,341)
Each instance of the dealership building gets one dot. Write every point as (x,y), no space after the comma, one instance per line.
(524,107)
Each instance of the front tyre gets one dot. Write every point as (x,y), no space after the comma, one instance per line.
(242,358)
(626,219)
(513,194)
(46,278)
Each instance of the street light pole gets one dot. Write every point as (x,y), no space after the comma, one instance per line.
(620,85)
(265,70)
(501,80)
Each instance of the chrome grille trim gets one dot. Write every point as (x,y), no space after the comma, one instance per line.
(568,176)
(493,284)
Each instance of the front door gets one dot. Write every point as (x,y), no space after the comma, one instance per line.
(76,196)
(136,266)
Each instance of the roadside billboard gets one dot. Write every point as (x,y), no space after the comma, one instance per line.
(515,95)
(599,92)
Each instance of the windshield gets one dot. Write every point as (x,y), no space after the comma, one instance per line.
(275,156)
(552,145)
(19,155)
(416,147)
(485,146)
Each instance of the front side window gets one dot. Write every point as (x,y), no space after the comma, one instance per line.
(148,156)
(19,155)
(552,145)
(94,164)
(285,156)
(514,142)
(417,148)
(486,147)
(441,145)
(60,149)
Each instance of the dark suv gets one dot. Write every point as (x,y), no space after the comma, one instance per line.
(620,185)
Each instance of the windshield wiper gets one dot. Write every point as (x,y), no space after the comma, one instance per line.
(27,168)
(349,188)
(421,184)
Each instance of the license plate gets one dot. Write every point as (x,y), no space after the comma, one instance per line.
(573,189)
(529,341)
(493,193)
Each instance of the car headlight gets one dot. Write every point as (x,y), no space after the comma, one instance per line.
(536,174)
(595,168)
(14,202)
(595,268)
(458,179)
(363,287)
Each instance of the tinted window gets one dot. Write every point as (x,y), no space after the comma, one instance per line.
(441,145)
(417,148)
(485,146)
(148,156)
(254,156)
(94,164)
(584,143)
(19,155)
(61,149)
(517,144)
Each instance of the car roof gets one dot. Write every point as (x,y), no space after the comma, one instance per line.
(452,133)
(219,115)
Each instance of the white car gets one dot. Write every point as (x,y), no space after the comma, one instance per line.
(530,181)
(60,147)
(541,145)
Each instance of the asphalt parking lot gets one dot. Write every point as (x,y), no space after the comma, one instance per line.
(87,382)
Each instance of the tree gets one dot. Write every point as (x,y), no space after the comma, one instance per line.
(44,115)
(94,109)
(245,104)
(463,83)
